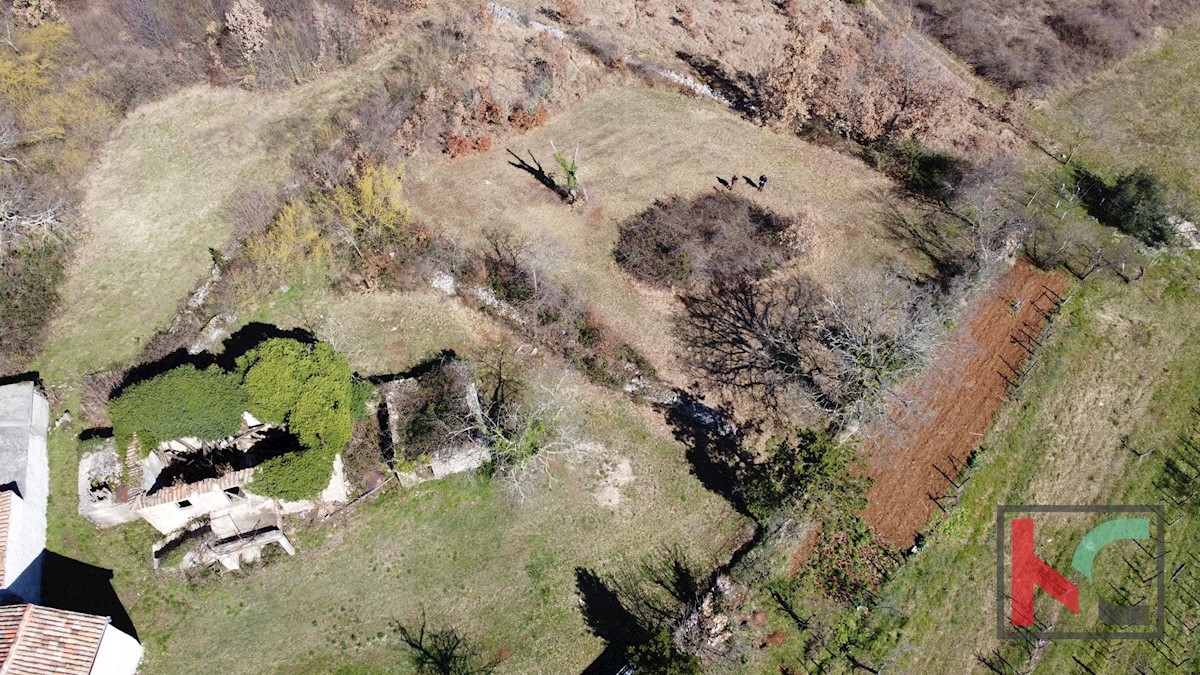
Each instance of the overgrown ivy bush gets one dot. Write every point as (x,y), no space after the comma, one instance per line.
(309,389)
(306,388)
(206,404)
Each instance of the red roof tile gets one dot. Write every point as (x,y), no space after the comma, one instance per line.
(37,640)
(176,493)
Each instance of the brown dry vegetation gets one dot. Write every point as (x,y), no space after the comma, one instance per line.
(807,64)
(636,146)
(1039,45)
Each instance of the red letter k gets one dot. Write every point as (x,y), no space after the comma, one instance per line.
(1028,571)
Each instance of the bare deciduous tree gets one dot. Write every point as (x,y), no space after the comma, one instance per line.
(841,350)
(248,22)
(24,217)
(743,334)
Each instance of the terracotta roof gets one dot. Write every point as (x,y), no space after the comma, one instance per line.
(37,640)
(5,507)
(176,493)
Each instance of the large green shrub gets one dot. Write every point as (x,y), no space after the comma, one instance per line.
(294,476)
(184,401)
(309,389)
(658,656)
(306,388)
(1139,204)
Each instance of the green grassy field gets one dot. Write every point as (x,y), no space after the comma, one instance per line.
(501,572)
(1140,113)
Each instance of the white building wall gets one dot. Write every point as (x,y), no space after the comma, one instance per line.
(37,494)
(169,517)
(23,552)
(119,654)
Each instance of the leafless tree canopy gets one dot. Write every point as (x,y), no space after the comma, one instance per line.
(841,350)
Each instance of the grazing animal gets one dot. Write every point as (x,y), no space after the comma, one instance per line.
(762,183)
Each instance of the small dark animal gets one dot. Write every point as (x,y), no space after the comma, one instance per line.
(762,183)
(724,182)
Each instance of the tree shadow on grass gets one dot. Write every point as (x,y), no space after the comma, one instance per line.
(714,450)
(608,619)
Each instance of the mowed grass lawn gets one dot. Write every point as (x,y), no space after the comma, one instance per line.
(503,573)
(1143,112)
(384,332)
(637,145)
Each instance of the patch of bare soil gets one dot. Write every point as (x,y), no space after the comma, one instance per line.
(924,443)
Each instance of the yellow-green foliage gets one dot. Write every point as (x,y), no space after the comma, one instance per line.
(59,115)
(283,253)
(372,210)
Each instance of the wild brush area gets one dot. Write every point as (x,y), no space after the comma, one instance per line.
(597,334)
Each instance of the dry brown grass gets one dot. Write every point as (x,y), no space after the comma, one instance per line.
(637,145)
(154,204)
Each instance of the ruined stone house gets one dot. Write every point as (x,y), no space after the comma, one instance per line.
(215,504)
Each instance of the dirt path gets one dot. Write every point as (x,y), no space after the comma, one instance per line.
(953,403)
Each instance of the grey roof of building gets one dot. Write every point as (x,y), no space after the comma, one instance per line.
(16,420)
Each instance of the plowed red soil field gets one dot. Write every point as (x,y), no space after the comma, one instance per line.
(952,404)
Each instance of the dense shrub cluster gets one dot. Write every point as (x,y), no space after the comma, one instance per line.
(360,234)
(206,404)
(678,240)
(306,388)
(309,389)
(808,469)
(29,279)
(867,79)
(1139,203)
(435,411)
